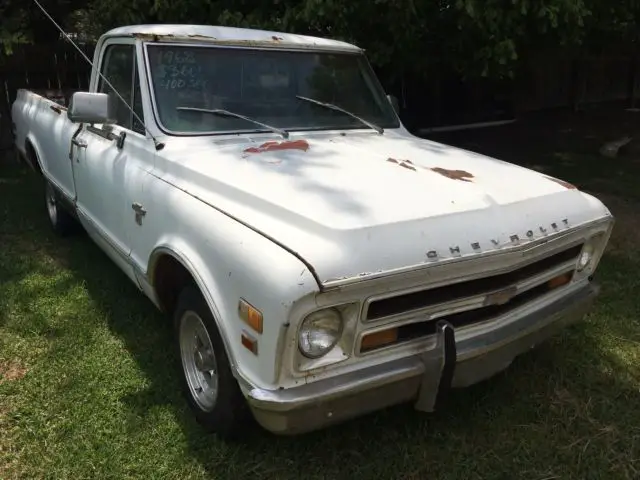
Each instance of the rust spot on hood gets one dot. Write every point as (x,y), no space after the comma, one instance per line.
(566,185)
(403,163)
(454,174)
(275,146)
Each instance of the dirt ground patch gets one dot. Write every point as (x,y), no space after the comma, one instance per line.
(8,459)
(11,371)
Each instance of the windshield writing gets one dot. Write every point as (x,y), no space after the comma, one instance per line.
(263,85)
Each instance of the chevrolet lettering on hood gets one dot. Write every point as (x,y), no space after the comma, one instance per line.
(514,239)
(318,261)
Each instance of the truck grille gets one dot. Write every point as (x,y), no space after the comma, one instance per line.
(440,302)
(413,301)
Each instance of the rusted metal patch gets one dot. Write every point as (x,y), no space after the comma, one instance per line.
(454,174)
(270,41)
(566,185)
(500,297)
(201,37)
(276,146)
(403,163)
(155,37)
(408,166)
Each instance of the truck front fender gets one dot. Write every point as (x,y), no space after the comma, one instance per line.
(229,262)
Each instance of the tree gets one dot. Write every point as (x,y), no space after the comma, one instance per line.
(22,22)
(417,37)
(12,27)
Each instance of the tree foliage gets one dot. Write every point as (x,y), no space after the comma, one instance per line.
(12,27)
(472,37)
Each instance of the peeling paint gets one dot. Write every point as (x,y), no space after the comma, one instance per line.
(276,146)
(149,37)
(155,37)
(407,166)
(201,37)
(454,174)
(566,185)
(403,163)
(271,40)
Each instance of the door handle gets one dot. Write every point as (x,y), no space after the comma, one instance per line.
(140,212)
(79,143)
(138,208)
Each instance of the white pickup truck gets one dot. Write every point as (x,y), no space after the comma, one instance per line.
(318,261)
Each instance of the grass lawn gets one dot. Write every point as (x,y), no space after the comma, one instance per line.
(88,386)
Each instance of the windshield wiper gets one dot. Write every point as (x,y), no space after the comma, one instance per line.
(226,113)
(375,127)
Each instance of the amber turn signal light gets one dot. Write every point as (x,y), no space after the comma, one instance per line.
(251,315)
(560,280)
(249,343)
(379,339)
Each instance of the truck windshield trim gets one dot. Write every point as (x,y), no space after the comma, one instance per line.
(263,84)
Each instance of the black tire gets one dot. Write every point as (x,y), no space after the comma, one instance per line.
(229,414)
(61,221)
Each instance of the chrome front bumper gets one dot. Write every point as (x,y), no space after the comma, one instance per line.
(422,379)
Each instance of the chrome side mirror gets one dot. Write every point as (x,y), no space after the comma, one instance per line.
(89,107)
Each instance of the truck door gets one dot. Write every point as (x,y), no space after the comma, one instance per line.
(112,160)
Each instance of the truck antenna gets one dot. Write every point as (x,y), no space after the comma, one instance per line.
(158,145)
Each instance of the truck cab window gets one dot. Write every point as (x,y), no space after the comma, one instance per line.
(120,68)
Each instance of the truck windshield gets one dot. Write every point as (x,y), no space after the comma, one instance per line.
(265,86)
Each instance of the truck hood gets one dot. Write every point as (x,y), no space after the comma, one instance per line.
(363,203)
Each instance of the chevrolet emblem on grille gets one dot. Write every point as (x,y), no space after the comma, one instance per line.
(500,297)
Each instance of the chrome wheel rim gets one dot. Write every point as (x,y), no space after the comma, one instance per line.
(198,361)
(52,207)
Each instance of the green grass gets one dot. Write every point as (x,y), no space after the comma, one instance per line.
(90,389)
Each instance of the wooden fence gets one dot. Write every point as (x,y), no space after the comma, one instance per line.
(548,80)
(543,82)
(39,67)
(559,81)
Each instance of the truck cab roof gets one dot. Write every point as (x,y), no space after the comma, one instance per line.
(229,36)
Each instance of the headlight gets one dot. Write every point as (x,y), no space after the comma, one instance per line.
(590,254)
(319,332)
(586,256)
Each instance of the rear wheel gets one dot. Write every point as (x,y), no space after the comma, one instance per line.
(210,388)
(61,221)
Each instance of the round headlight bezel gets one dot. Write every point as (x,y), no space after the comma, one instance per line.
(587,255)
(318,317)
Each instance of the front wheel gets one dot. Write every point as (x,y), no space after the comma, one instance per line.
(211,390)
(61,221)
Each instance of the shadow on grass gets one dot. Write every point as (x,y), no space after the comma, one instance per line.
(568,409)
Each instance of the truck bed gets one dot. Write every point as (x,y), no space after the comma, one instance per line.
(40,124)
